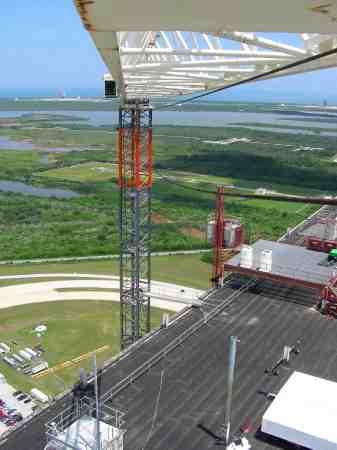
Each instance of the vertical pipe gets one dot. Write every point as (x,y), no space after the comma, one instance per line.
(98,433)
(233,340)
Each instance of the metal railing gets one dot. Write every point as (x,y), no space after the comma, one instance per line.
(147,365)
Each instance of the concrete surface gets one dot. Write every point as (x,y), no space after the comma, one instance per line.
(163,295)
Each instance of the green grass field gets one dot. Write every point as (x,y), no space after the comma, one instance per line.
(90,171)
(188,270)
(74,328)
(34,227)
(77,327)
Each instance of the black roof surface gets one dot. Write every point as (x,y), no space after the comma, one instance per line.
(179,403)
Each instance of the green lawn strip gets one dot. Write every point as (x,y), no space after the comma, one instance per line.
(74,328)
(187,270)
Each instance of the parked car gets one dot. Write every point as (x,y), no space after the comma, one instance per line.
(18,417)
(22,397)
(28,400)
(16,393)
(10,422)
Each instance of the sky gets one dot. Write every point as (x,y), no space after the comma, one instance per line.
(45,50)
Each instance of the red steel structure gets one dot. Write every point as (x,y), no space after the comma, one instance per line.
(135,174)
(218,238)
(326,242)
(328,298)
(320,245)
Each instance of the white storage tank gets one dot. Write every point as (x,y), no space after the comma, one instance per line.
(332,230)
(230,234)
(210,231)
(246,257)
(38,395)
(266,259)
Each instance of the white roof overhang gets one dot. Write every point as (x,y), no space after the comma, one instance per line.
(213,49)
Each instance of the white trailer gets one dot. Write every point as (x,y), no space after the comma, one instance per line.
(42,366)
(10,361)
(25,355)
(31,352)
(5,347)
(18,358)
(38,395)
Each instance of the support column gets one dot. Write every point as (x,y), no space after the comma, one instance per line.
(135,182)
(218,239)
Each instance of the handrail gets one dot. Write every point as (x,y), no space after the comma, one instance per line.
(174,343)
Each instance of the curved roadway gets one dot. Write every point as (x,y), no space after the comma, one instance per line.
(88,287)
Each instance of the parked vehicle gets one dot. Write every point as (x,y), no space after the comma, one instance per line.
(38,395)
(16,393)
(17,417)
(10,422)
(40,367)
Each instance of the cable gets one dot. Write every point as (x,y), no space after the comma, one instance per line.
(255,77)
(155,414)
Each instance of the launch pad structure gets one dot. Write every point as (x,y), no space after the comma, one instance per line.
(134,155)
(164,51)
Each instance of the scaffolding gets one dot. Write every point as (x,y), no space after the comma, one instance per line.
(74,427)
(134,155)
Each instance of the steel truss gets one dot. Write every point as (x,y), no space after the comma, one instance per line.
(165,63)
(135,182)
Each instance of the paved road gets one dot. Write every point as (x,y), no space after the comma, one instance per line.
(89,287)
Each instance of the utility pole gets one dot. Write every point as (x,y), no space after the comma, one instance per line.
(98,431)
(134,155)
(233,340)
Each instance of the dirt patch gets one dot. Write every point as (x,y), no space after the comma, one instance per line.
(158,219)
(17,325)
(193,232)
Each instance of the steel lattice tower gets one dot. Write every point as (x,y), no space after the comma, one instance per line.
(135,182)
